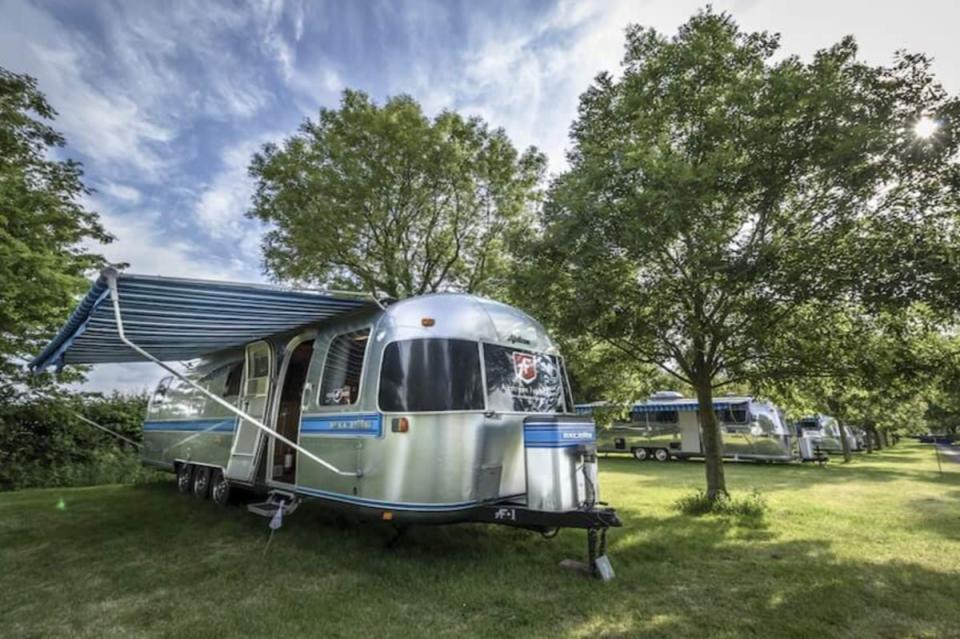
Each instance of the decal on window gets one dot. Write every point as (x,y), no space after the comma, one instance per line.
(525,367)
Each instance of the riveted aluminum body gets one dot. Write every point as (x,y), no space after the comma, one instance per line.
(561,463)
(447,462)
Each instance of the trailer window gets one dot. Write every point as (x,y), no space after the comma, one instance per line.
(343,369)
(431,375)
(733,415)
(220,382)
(160,397)
(233,380)
(522,381)
(665,417)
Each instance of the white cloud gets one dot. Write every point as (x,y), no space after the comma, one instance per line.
(528,76)
(221,205)
(144,240)
(270,17)
(126,378)
(121,192)
(316,84)
(124,98)
(183,62)
(107,125)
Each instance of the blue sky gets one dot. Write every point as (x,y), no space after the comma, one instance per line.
(164,102)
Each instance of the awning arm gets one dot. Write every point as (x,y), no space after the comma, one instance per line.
(111,275)
(90,422)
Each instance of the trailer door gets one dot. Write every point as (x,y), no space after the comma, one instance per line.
(690,433)
(257,376)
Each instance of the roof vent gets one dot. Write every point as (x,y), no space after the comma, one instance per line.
(667,395)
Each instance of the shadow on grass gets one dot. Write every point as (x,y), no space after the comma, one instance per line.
(144,560)
(940,515)
(710,583)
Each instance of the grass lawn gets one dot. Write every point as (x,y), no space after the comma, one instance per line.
(871,549)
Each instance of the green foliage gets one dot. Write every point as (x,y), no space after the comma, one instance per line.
(42,227)
(892,364)
(726,207)
(383,199)
(750,508)
(43,443)
(598,371)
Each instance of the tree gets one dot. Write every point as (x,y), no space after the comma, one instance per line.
(43,441)
(711,219)
(42,227)
(385,200)
(891,365)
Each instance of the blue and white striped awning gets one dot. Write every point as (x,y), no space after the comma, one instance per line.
(661,407)
(181,319)
(651,407)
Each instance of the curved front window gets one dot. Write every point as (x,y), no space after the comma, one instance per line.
(435,375)
(430,375)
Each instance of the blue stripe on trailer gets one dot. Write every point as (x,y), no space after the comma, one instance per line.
(388,505)
(214,425)
(558,434)
(341,425)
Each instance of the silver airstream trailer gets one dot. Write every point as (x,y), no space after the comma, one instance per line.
(444,408)
(667,425)
(824,432)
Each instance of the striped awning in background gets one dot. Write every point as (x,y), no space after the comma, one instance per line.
(181,319)
(681,406)
(660,407)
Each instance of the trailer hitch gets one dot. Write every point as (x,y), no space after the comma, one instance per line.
(596,521)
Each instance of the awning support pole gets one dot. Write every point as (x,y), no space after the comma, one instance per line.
(105,429)
(90,422)
(111,276)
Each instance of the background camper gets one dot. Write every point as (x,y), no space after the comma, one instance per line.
(825,432)
(668,425)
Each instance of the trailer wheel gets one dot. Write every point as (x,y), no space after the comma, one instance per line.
(640,454)
(201,482)
(184,478)
(219,489)
(661,454)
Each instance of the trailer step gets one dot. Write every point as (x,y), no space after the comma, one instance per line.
(275,499)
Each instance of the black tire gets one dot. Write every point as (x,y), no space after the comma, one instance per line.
(661,454)
(184,478)
(219,488)
(640,454)
(201,482)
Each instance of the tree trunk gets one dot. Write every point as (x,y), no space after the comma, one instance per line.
(834,405)
(876,437)
(886,438)
(712,446)
(867,439)
(845,443)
